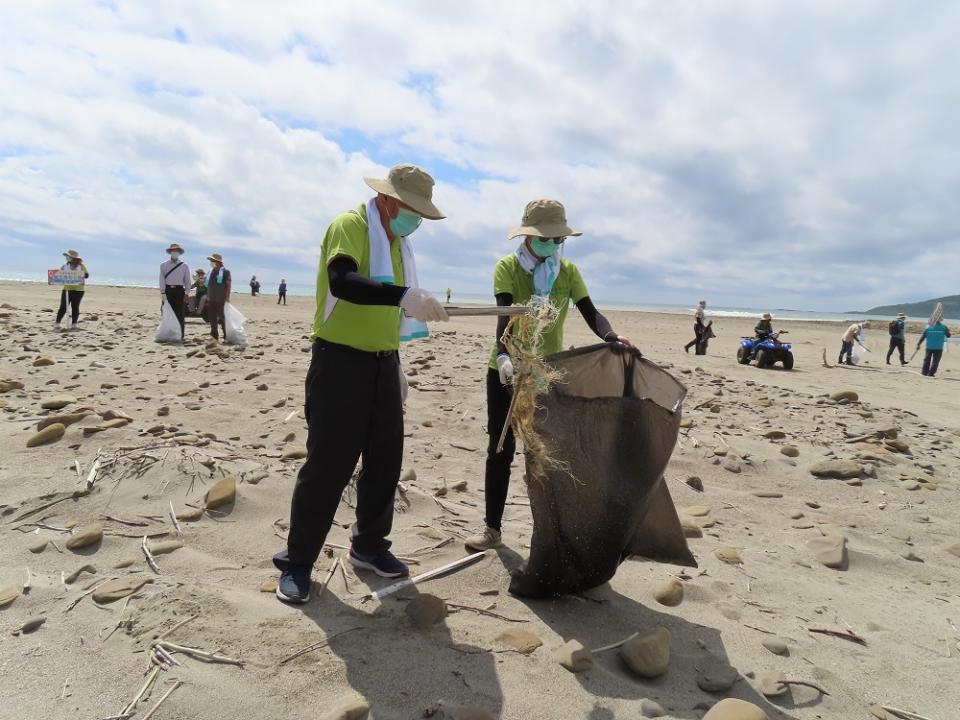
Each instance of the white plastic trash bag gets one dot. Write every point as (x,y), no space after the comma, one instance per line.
(233,325)
(169,328)
(858,355)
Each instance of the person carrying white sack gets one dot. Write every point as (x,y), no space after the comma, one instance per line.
(368,302)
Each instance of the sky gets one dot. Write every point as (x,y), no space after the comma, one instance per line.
(754,153)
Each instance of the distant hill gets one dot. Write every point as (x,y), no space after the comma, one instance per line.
(951,308)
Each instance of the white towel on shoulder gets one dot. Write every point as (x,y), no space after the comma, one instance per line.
(381,270)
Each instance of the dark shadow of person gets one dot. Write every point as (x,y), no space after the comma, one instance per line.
(400,670)
(603,616)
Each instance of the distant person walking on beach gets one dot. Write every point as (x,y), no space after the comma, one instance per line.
(71,293)
(936,337)
(174,282)
(699,330)
(254,286)
(898,335)
(219,285)
(853,334)
(282,292)
(535,269)
(764,328)
(449,294)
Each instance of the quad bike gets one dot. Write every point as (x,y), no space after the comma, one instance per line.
(767,351)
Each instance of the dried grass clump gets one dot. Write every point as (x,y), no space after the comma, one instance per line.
(532,378)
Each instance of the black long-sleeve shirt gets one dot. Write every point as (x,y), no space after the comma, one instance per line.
(595,320)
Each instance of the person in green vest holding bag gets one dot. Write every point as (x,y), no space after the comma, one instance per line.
(368,301)
(535,270)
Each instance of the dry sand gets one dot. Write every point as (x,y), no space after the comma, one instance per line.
(228,415)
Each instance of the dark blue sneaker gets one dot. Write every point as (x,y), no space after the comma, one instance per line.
(294,585)
(384,563)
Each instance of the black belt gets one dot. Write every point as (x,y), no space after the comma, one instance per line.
(327,345)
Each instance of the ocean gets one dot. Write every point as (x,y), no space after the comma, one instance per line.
(480,299)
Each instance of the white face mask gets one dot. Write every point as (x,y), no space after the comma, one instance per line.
(174,256)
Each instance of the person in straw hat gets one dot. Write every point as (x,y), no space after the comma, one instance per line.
(175,282)
(71,293)
(764,328)
(368,302)
(534,269)
(898,337)
(219,287)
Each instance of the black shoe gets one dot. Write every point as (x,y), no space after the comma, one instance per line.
(294,586)
(384,563)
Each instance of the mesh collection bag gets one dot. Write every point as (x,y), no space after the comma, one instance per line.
(610,425)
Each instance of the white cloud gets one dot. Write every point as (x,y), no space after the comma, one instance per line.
(750,149)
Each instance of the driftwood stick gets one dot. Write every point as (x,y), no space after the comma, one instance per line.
(429,575)
(133,703)
(488,310)
(173,519)
(484,611)
(199,654)
(317,645)
(614,646)
(837,632)
(176,684)
(177,627)
(508,422)
(330,572)
(904,713)
(147,554)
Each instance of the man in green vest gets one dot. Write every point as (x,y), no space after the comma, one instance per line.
(368,301)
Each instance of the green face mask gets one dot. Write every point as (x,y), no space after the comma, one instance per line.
(544,248)
(405,223)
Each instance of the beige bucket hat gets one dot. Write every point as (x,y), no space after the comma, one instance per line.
(544,218)
(901,315)
(72,255)
(216,257)
(767,316)
(411,186)
(175,248)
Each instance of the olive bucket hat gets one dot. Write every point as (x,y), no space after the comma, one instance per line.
(544,218)
(411,186)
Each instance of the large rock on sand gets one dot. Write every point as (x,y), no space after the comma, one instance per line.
(51,433)
(840,469)
(223,493)
(734,709)
(648,655)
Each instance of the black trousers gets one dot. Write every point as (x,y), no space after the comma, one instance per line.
(216,318)
(931,361)
(353,411)
(846,348)
(282,296)
(176,295)
(496,480)
(896,344)
(74,297)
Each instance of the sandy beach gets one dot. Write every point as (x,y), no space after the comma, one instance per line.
(169,422)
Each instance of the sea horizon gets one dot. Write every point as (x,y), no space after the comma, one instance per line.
(719,311)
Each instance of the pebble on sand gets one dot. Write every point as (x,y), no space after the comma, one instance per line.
(697,510)
(44,361)
(648,655)
(426,610)
(790,451)
(734,709)
(695,482)
(830,550)
(8,595)
(776,645)
(85,536)
(836,469)
(520,641)
(119,588)
(717,677)
(651,709)
(65,419)
(728,555)
(269,585)
(848,395)
(773,683)
(51,433)
(574,656)
(669,592)
(166,546)
(954,549)
(298,454)
(190,514)
(354,708)
(58,402)
(690,528)
(38,546)
(223,493)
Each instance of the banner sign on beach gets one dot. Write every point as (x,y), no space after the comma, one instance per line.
(937,314)
(65,277)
